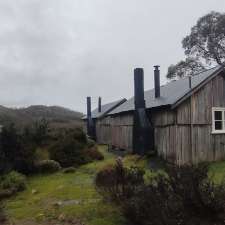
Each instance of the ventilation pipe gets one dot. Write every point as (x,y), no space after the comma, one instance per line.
(157,81)
(99,104)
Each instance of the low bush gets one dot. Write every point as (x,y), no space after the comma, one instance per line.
(154,204)
(2,214)
(186,197)
(90,143)
(69,149)
(69,170)
(94,154)
(17,150)
(13,182)
(119,182)
(47,166)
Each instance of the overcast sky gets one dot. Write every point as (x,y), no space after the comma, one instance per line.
(57,52)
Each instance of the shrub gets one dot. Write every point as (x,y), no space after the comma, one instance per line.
(94,154)
(69,170)
(2,214)
(17,150)
(154,204)
(47,166)
(199,194)
(186,197)
(13,182)
(69,149)
(78,135)
(90,143)
(119,182)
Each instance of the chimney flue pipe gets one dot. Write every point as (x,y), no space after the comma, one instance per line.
(89,118)
(139,88)
(99,104)
(190,82)
(157,81)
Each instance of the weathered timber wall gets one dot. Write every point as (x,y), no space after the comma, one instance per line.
(104,130)
(190,138)
(116,131)
(122,131)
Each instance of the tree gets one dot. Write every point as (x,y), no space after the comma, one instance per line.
(204,46)
(40,131)
(184,68)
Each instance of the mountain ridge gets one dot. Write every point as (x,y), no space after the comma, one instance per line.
(27,115)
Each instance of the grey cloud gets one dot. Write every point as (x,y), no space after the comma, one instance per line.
(60,51)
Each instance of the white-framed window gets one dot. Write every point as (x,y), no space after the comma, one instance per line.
(218,120)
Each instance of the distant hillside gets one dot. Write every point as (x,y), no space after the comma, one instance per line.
(57,116)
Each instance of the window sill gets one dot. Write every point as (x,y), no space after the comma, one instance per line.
(218,132)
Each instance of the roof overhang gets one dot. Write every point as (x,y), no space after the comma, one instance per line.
(199,86)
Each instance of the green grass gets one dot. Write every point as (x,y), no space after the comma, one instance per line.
(217,171)
(61,187)
(78,186)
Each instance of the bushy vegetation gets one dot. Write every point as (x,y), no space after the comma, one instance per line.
(11,183)
(17,147)
(71,149)
(69,170)
(47,166)
(94,154)
(24,150)
(68,150)
(69,196)
(184,196)
(2,214)
(119,182)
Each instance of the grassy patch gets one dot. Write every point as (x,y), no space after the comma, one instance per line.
(47,196)
(217,171)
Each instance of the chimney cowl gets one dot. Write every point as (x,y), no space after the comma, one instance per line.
(157,81)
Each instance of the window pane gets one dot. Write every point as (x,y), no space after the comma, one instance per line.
(218,115)
(218,125)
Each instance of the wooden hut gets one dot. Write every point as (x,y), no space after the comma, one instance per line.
(187,115)
(99,127)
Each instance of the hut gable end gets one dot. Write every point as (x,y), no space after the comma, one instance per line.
(198,107)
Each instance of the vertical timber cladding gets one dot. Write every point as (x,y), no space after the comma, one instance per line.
(116,131)
(103,130)
(195,141)
(122,131)
(165,133)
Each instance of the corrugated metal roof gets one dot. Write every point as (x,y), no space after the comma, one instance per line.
(107,108)
(170,93)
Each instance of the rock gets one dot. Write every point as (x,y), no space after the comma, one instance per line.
(57,204)
(62,217)
(34,191)
(71,202)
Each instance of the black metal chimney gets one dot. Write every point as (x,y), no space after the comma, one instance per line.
(190,82)
(90,124)
(99,104)
(157,81)
(143,138)
(139,88)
